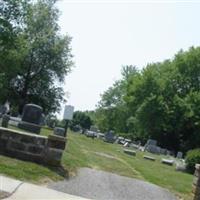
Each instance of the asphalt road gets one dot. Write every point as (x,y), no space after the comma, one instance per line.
(94,184)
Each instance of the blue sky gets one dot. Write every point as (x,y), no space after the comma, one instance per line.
(109,34)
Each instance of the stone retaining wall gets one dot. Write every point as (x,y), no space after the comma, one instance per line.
(196,183)
(32,147)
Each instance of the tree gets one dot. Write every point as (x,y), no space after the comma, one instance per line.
(42,59)
(112,112)
(159,102)
(81,119)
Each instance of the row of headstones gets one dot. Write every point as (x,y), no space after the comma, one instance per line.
(164,161)
(152,147)
(31,120)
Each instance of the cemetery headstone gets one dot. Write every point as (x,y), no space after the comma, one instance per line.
(109,137)
(153,149)
(31,118)
(5,120)
(180,166)
(3,110)
(126,144)
(167,162)
(179,155)
(59,131)
(163,151)
(149,158)
(151,142)
(130,152)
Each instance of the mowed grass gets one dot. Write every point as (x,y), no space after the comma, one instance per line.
(94,153)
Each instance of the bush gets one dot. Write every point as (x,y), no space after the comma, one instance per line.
(192,158)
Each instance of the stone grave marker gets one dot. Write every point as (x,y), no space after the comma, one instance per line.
(109,137)
(59,131)
(130,152)
(153,149)
(31,118)
(149,158)
(151,142)
(179,155)
(167,162)
(163,151)
(5,120)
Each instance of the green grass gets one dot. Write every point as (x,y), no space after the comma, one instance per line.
(93,153)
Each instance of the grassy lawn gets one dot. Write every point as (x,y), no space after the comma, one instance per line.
(86,152)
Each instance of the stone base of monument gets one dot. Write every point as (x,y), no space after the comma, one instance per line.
(130,152)
(167,162)
(32,147)
(33,128)
(149,158)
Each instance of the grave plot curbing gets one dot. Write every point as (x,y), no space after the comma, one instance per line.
(167,162)
(149,158)
(130,152)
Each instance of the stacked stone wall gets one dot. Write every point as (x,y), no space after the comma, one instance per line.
(196,183)
(32,147)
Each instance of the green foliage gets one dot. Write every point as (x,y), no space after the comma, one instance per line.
(112,112)
(81,119)
(40,59)
(159,102)
(192,158)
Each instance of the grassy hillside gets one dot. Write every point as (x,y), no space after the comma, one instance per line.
(86,152)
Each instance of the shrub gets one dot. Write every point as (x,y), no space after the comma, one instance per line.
(192,158)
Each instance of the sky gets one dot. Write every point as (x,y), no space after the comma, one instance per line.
(109,34)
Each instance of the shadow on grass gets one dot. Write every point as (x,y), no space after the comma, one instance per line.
(60,170)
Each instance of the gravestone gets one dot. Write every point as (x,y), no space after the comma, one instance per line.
(151,142)
(179,155)
(126,144)
(130,152)
(59,131)
(3,110)
(5,120)
(163,151)
(167,162)
(109,137)
(149,158)
(153,149)
(31,118)
(120,140)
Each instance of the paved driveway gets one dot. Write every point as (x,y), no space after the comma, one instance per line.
(95,184)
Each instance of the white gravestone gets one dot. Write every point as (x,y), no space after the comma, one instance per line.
(68,113)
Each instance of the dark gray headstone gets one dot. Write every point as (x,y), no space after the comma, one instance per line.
(32,113)
(109,137)
(163,151)
(179,155)
(31,118)
(59,131)
(151,142)
(3,110)
(5,120)
(153,149)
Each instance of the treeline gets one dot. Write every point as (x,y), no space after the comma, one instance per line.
(34,56)
(161,102)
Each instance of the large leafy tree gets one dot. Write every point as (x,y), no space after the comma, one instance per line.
(42,58)
(160,102)
(81,119)
(112,112)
